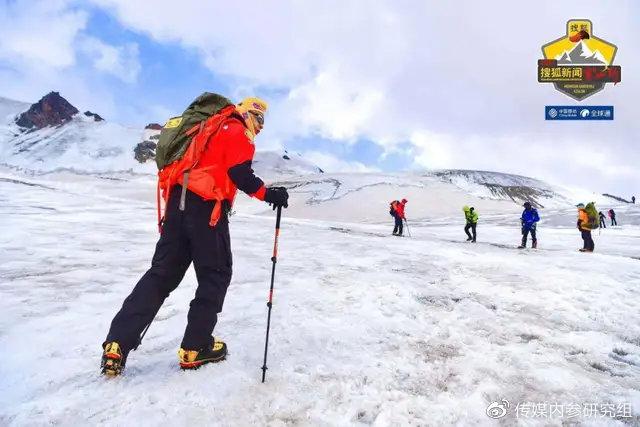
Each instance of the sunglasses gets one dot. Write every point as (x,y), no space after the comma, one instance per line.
(259,118)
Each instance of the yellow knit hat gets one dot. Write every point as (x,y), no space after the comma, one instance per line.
(256,105)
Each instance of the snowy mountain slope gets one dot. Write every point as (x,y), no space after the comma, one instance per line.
(9,108)
(432,196)
(86,146)
(352,198)
(518,188)
(366,328)
(265,163)
(82,144)
(273,164)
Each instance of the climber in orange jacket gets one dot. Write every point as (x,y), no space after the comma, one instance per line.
(195,228)
(397,209)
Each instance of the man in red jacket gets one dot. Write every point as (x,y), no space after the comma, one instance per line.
(399,217)
(196,229)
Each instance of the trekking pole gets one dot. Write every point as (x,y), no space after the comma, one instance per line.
(407,225)
(274,259)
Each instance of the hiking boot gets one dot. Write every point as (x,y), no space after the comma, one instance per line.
(193,359)
(522,247)
(534,245)
(469,239)
(582,250)
(473,241)
(113,360)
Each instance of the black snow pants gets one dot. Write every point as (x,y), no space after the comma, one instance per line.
(397,229)
(186,237)
(603,223)
(589,245)
(525,233)
(613,221)
(472,226)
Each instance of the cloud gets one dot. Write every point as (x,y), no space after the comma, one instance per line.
(119,61)
(568,161)
(39,33)
(344,110)
(409,71)
(460,87)
(432,151)
(44,46)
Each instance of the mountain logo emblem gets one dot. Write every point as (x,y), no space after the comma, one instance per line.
(579,64)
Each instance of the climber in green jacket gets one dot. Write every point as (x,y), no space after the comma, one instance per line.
(471,216)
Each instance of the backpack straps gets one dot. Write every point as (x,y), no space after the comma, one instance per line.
(199,135)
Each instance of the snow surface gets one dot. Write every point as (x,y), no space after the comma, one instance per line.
(366,328)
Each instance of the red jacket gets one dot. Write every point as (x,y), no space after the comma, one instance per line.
(219,159)
(400,209)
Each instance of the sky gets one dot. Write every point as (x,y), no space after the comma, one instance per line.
(381,85)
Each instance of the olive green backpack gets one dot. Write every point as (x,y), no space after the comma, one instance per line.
(592,213)
(178,131)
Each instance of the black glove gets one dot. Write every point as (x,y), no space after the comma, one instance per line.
(276,197)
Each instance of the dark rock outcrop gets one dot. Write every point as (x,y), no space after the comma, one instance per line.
(96,117)
(51,110)
(154,126)
(146,150)
(617,198)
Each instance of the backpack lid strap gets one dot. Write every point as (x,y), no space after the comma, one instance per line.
(194,129)
(218,208)
(183,195)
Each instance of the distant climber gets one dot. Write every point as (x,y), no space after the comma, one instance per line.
(397,211)
(529,220)
(603,223)
(471,217)
(587,221)
(612,215)
(633,199)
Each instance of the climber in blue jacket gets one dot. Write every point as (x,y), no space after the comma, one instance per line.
(529,219)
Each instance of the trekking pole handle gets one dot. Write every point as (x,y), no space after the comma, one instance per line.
(274,258)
